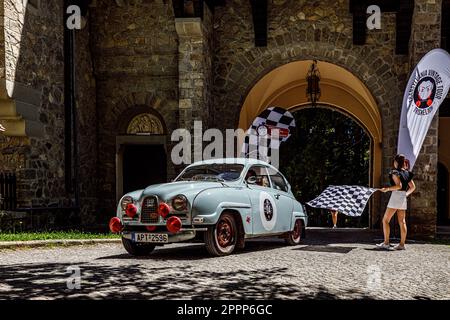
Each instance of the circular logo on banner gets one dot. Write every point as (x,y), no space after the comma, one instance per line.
(426,89)
(267,211)
(424,93)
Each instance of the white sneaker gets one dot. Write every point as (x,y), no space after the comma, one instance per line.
(384,246)
(399,247)
(334,227)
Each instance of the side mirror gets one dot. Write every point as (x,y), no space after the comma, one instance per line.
(251,180)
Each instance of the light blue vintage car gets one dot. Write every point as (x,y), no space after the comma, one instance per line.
(221,202)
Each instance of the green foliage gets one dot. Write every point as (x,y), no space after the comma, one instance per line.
(326,148)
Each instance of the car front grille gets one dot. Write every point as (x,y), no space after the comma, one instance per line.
(149,210)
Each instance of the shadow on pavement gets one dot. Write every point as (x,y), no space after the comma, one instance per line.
(48,280)
(324,236)
(331,249)
(128,277)
(317,240)
(198,251)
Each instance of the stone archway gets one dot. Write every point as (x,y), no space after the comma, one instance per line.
(285,86)
(235,78)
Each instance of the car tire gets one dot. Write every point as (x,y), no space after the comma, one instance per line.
(137,249)
(294,237)
(221,239)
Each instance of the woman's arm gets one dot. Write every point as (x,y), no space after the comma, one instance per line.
(398,185)
(412,188)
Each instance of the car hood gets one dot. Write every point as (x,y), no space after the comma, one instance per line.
(190,189)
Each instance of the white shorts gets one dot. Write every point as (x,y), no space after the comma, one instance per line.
(398,200)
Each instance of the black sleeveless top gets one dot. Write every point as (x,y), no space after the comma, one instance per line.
(405,178)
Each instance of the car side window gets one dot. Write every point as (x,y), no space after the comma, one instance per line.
(259,175)
(278,181)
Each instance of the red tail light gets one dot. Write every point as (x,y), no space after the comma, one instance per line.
(115,225)
(173,224)
(150,228)
(163,209)
(131,210)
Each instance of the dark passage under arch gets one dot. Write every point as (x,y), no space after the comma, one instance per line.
(326,148)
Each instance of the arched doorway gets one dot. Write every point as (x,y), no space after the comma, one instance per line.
(443,216)
(141,155)
(331,148)
(342,91)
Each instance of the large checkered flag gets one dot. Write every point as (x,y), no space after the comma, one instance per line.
(349,200)
(268,130)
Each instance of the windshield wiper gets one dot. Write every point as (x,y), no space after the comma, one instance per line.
(221,180)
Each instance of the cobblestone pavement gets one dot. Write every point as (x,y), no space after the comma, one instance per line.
(328,265)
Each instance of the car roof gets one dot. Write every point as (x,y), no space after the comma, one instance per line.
(242,161)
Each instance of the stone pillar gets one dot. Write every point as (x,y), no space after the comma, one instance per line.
(86,122)
(31,100)
(19,102)
(195,71)
(425,36)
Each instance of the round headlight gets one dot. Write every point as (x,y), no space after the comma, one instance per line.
(125,202)
(180,203)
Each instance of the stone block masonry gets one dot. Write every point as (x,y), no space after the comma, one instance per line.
(135,62)
(31,65)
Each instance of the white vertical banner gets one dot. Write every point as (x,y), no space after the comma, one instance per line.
(426,90)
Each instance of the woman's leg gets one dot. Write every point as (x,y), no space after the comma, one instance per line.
(334,217)
(401,215)
(386,219)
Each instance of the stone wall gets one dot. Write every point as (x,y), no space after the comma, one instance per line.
(13,149)
(425,36)
(86,110)
(135,50)
(195,56)
(33,74)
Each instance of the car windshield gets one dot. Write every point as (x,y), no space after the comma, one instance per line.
(212,172)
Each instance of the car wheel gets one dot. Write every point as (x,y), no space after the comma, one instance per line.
(221,238)
(137,249)
(294,236)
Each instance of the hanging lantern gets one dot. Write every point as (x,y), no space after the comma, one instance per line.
(313,87)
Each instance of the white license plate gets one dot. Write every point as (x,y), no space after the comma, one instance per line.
(151,237)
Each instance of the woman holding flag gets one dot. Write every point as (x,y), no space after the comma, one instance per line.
(402,186)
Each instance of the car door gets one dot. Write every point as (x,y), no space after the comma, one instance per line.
(264,204)
(284,202)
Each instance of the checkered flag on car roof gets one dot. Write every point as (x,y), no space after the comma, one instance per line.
(349,200)
(273,126)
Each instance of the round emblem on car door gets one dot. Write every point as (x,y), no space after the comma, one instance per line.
(267,211)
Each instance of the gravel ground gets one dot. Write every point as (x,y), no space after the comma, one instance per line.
(328,265)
